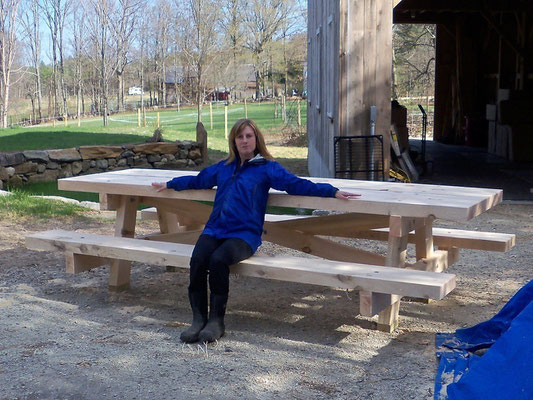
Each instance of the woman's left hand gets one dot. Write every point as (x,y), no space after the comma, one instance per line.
(346,195)
(159,185)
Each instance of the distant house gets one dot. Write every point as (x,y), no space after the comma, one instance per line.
(236,85)
(135,90)
(246,80)
(182,78)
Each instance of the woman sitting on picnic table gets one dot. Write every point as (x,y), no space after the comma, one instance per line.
(233,231)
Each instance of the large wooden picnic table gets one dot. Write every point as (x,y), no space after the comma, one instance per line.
(396,212)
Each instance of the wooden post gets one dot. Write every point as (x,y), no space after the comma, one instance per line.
(157,119)
(54,122)
(139,117)
(66,119)
(284,109)
(201,139)
(275,108)
(299,115)
(245,109)
(119,273)
(144,118)
(211,113)
(226,121)
(79,121)
(399,228)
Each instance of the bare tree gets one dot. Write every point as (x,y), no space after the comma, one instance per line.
(142,32)
(101,52)
(30,19)
(264,20)
(413,59)
(8,47)
(202,16)
(163,24)
(56,12)
(79,33)
(231,22)
(122,28)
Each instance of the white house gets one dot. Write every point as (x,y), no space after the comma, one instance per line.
(135,90)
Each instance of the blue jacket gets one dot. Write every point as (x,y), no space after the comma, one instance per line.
(242,195)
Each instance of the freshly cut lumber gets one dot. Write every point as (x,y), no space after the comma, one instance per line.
(379,198)
(150,213)
(404,282)
(442,237)
(446,238)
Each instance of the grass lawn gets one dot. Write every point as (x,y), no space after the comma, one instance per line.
(177,125)
(123,129)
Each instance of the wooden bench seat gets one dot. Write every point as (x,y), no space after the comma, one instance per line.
(403,282)
(444,238)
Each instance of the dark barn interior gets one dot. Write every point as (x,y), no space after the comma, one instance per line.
(484,71)
(483,79)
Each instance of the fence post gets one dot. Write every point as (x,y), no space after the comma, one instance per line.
(211,113)
(66,119)
(299,115)
(157,119)
(226,121)
(139,117)
(245,109)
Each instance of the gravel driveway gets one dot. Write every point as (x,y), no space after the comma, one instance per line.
(66,337)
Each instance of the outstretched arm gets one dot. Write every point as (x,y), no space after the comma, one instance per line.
(206,179)
(282,179)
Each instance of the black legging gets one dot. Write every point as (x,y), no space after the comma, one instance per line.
(215,256)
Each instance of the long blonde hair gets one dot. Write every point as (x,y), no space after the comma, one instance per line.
(260,146)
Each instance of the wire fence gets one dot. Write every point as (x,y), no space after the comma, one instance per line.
(414,124)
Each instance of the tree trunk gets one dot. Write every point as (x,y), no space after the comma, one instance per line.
(199,93)
(120,93)
(257,83)
(79,92)
(164,87)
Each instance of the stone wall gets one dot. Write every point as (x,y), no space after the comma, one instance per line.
(19,168)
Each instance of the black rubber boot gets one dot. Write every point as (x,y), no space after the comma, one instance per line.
(198,302)
(214,329)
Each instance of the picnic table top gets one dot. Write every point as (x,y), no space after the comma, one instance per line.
(454,203)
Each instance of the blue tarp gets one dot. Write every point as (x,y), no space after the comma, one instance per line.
(492,360)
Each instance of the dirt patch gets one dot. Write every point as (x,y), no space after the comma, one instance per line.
(65,336)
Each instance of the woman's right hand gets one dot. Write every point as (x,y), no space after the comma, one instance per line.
(346,195)
(159,185)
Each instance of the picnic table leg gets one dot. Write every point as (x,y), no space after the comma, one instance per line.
(427,258)
(424,238)
(168,222)
(171,222)
(424,243)
(119,275)
(387,306)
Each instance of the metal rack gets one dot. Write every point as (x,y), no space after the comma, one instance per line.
(359,157)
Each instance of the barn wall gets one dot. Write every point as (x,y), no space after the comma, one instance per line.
(322,85)
(349,70)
